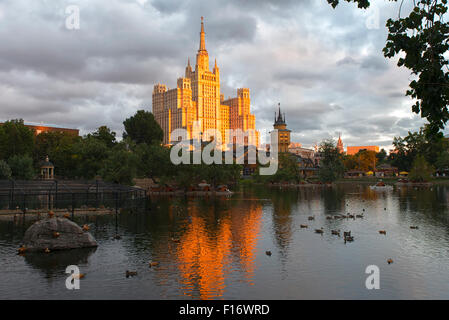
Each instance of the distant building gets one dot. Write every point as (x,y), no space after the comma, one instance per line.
(340,147)
(283,132)
(197,99)
(353,150)
(41,128)
(298,150)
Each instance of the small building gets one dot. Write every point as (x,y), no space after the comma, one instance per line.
(352,150)
(386,170)
(354,174)
(47,169)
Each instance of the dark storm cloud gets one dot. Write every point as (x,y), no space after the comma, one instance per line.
(323,65)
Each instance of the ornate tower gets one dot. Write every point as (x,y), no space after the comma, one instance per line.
(340,145)
(283,132)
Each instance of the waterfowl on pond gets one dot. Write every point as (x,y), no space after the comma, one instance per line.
(335,232)
(153,264)
(414,227)
(303,226)
(351,216)
(311,218)
(268,253)
(320,231)
(131,273)
(390,261)
(22,249)
(359,215)
(86,227)
(346,234)
(349,239)
(383,232)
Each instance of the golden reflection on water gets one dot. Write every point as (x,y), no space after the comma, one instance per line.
(208,249)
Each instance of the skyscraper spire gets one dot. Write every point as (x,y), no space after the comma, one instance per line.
(202,37)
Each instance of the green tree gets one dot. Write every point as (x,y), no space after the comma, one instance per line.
(331,163)
(120,165)
(421,39)
(381,156)
(15,139)
(105,135)
(5,170)
(143,128)
(21,167)
(421,170)
(154,161)
(90,154)
(443,160)
(60,148)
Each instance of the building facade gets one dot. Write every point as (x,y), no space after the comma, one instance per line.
(197,105)
(340,146)
(283,133)
(41,128)
(354,149)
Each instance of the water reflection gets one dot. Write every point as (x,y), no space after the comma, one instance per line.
(212,242)
(222,244)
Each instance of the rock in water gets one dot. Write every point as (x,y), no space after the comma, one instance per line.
(71,236)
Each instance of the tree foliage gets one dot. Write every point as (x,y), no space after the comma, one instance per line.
(15,139)
(331,163)
(422,40)
(421,170)
(143,128)
(21,167)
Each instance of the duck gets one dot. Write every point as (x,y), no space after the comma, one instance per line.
(153,264)
(414,227)
(56,234)
(349,239)
(351,216)
(268,253)
(47,250)
(311,218)
(86,227)
(390,261)
(22,249)
(175,240)
(383,232)
(320,231)
(131,273)
(303,226)
(359,215)
(346,234)
(335,232)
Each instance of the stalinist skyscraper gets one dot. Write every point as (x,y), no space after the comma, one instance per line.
(197,97)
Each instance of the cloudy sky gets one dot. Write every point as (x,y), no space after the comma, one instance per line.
(324,66)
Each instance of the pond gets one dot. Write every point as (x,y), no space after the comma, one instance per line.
(221,252)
